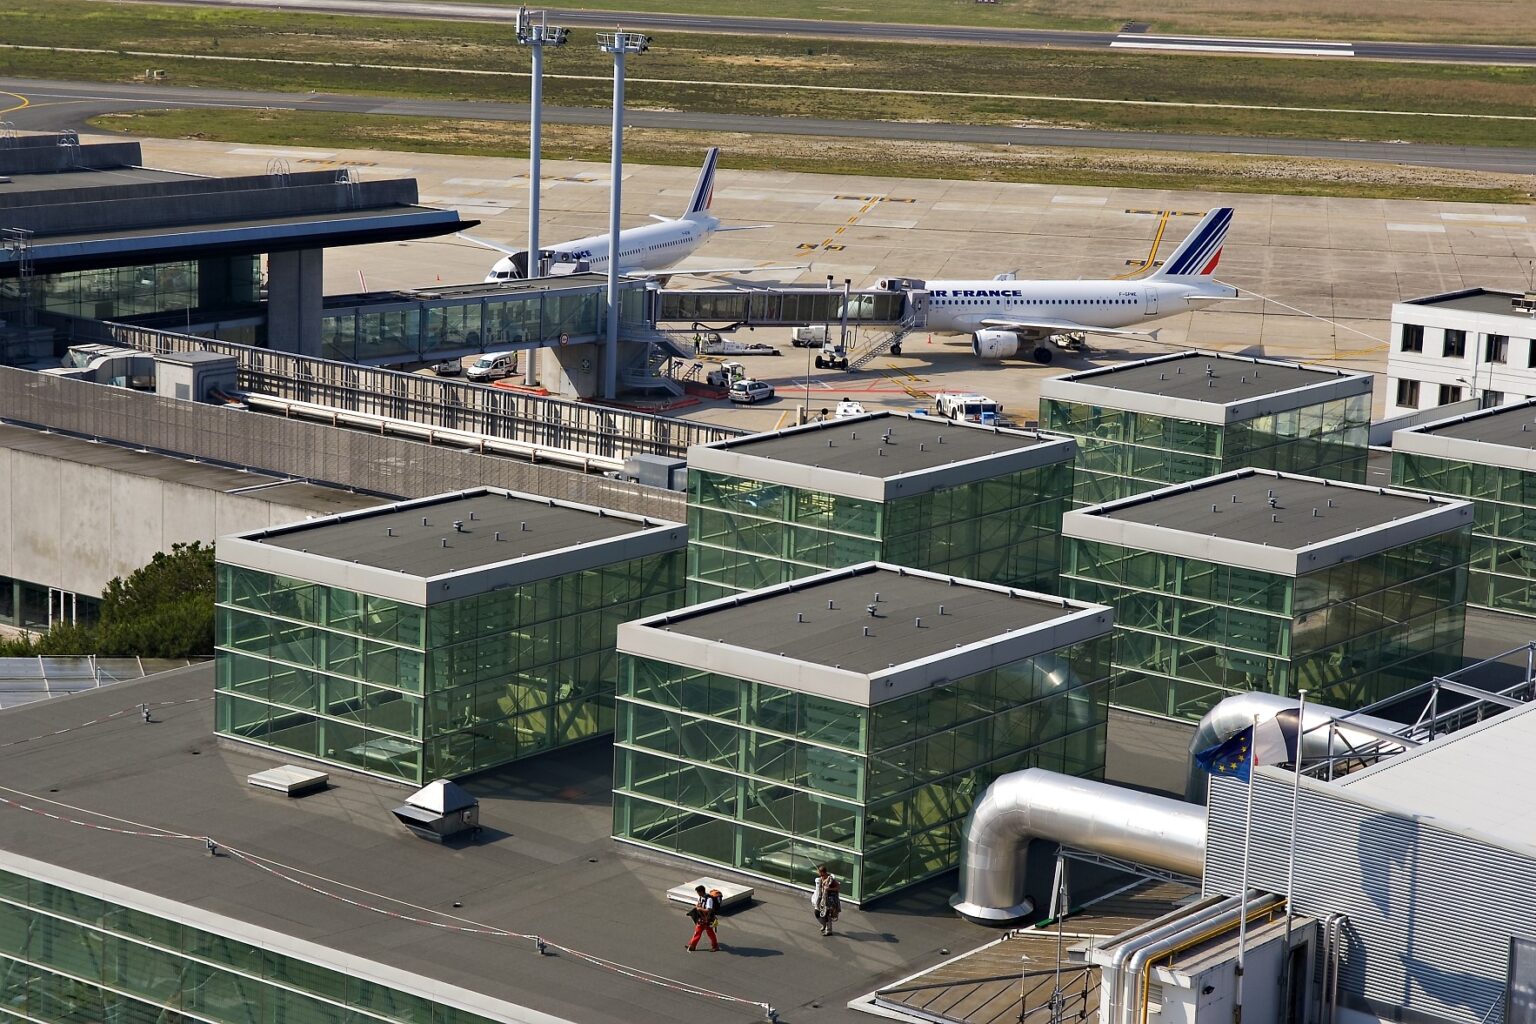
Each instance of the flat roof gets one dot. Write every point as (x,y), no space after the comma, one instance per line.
(1212,387)
(403,550)
(12,183)
(1229,518)
(1503,436)
(1472,300)
(926,627)
(881,456)
(1463,779)
(545,847)
(137,462)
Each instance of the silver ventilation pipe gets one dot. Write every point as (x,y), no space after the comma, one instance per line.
(1241,710)
(1081,813)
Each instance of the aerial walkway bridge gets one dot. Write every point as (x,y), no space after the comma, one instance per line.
(900,309)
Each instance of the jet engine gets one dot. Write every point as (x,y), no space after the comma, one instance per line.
(995,344)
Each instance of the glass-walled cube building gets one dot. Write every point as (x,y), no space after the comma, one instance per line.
(434,638)
(1267,582)
(1178,418)
(850,719)
(980,502)
(1488,457)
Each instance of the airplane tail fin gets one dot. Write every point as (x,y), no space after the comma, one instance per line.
(1200,251)
(704,189)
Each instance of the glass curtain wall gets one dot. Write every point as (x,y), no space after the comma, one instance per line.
(773,782)
(419,694)
(1189,633)
(1123,453)
(69,957)
(419,329)
(1503,567)
(745,534)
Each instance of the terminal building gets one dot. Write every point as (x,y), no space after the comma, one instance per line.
(1270,582)
(434,638)
(1475,344)
(1177,418)
(984,503)
(849,719)
(1489,458)
(91,234)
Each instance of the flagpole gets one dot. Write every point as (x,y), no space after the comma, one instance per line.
(1242,899)
(1290,868)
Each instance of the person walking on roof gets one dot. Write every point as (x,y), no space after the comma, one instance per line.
(703,914)
(826,899)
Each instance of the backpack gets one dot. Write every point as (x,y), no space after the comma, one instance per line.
(716,897)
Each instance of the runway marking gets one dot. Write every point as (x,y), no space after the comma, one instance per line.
(869,204)
(1486,218)
(1157,240)
(1289,51)
(22,105)
(1428,229)
(791,86)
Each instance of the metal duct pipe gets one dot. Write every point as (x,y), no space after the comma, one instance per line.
(1094,816)
(1111,994)
(1241,710)
(1133,982)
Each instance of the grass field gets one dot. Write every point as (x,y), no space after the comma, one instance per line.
(701,70)
(1196,172)
(1485,21)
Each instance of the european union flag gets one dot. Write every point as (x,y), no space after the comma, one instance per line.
(1233,757)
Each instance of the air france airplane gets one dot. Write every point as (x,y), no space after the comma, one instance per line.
(1002,316)
(642,250)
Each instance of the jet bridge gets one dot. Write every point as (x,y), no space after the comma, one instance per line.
(786,307)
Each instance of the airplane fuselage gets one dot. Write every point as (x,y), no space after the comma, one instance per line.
(645,248)
(962,307)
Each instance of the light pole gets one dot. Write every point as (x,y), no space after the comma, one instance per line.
(535,35)
(619,43)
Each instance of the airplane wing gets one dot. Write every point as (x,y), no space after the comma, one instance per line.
(711,271)
(497,246)
(745,227)
(1046,323)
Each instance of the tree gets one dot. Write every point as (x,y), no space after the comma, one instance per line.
(162,610)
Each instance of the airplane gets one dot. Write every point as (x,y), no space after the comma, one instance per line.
(643,250)
(1004,315)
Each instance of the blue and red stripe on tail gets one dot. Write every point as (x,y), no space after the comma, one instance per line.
(1200,251)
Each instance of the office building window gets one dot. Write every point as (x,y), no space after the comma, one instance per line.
(1455,344)
(1449,393)
(1413,337)
(1530,348)
(1496,349)
(1408,394)
(1489,399)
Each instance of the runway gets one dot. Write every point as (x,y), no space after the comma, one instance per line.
(1464,53)
(54,105)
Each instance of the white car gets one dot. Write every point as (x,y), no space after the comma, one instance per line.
(493,366)
(751,391)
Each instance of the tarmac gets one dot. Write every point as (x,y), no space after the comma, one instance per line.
(1318,275)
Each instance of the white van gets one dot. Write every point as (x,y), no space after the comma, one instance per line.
(492,366)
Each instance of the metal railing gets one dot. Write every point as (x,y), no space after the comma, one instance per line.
(529,419)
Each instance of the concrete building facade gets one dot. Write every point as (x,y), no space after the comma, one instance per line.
(75,514)
(984,503)
(434,638)
(850,719)
(1188,415)
(1269,582)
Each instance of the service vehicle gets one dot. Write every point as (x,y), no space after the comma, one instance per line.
(968,408)
(726,374)
(750,392)
(492,366)
(813,336)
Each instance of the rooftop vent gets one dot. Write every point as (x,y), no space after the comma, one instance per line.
(439,810)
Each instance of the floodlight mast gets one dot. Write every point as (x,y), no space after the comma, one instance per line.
(619,43)
(535,34)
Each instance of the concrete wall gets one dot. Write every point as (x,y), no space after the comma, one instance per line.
(76,526)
